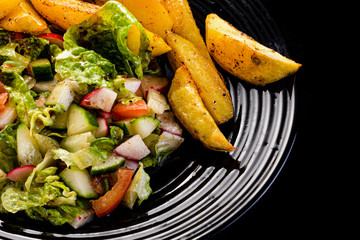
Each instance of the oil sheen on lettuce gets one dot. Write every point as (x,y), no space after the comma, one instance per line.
(96,50)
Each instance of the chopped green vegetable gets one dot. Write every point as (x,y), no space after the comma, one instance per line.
(31,47)
(59,216)
(85,66)
(8,154)
(106,31)
(139,188)
(167,144)
(45,190)
(11,61)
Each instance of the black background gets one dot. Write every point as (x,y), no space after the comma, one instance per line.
(295,204)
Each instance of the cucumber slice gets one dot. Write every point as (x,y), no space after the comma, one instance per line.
(60,122)
(144,125)
(45,143)
(126,126)
(79,181)
(41,70)
(77,142)
(87,157)
(62,94)
(27,148)
(111,164)
(80,120)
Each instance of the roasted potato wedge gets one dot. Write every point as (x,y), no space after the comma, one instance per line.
(185,25)
(188,107)
(150,13)
(211,88)
(23,18)
(157,45)
(7,6)
(244,57)
(64,13)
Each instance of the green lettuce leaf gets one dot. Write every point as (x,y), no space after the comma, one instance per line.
(82,158)
(123,95)
(46,162)
(3,179)
(11,61)
(22,100)
(48,198)
(167,144)
(8,154)
(85,66)
(43,214)
(139,188)
(46,190)
(56,216)
(31,47)
(106,32)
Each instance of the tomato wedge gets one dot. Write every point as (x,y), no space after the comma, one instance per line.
(4,95)
(107,203)
(2,88)
(134,110)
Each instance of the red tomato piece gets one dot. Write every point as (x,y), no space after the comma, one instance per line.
(107,203)
(134,110)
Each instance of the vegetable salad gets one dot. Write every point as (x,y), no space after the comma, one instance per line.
(81,119)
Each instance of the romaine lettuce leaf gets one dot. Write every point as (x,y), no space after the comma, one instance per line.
(82,158)
(106,32)
(21,99)
(85,66)
(139,188)
(123,95)
(8,155)
(167,144)
(3,179)
(47,199)
(56,216)
(31,47)
(11,61)
(46,162)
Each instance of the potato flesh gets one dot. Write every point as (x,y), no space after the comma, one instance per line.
(244,57)
(211,88)
(157,45)
(185,25)
(7,6)
(23,18)
(65,13)
(188,107)
(150,13)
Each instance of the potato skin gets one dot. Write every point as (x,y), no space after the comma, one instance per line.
(65,13)
(185,25)
(211,87)
(242,56)
(150,13)
(23,18)
(7,6)
(189,109)
(157,45)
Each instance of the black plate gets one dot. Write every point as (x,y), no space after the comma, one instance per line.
(198,191)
